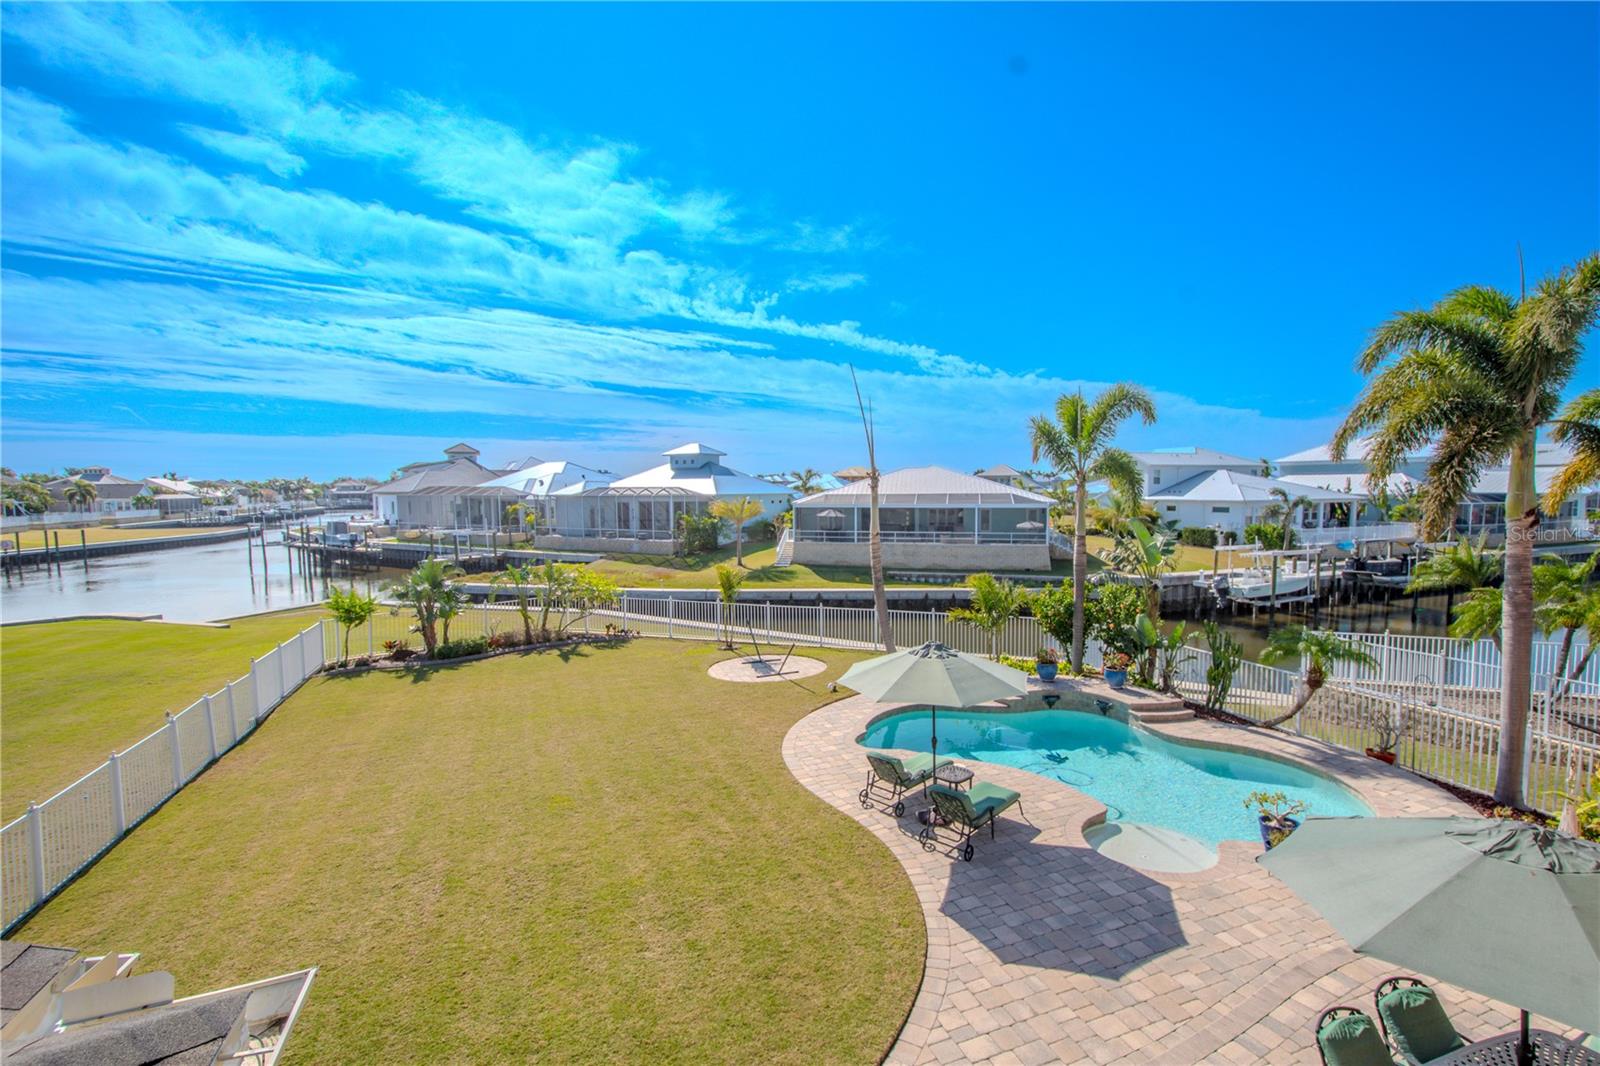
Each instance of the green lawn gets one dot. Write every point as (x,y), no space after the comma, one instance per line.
(76,690)
(40,538)
(700,571)
(591,856)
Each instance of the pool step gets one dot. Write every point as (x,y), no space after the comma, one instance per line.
(1179,713)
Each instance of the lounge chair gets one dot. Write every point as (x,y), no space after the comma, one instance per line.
(897,777)
(1414,1021)
(968,812)
(1347,1037)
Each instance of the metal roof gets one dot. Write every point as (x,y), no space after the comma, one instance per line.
(1192,456)
(703,479)
(694,448)
(1229,486)
(928,486)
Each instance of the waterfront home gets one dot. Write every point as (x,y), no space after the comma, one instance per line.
(640,512)
(537,483)
(852,473)
(931,518)
(444,494)
(175,495)
(112,493)
(1010,475)
(350,495)
(1228,501)
(1166,467)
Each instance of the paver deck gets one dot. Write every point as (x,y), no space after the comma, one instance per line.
(1043,950)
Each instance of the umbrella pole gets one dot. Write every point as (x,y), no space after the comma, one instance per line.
(1524,1049)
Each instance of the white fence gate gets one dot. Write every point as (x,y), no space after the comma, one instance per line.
(45,848)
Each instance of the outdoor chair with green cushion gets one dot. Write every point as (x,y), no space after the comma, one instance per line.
(896,776)
(968,811)
(1414,1021)
(1347,1037)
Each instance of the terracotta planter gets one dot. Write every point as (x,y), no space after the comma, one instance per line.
(1381,756)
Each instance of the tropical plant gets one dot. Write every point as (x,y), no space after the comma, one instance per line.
(27,497)
(1112,610)
(350,609)
(1586,807)
(806,481)
(1281,510)
(1147,556)
(728,582)
(1161,653)
(737,513)
(422,590)
(880,597)
(1318,650)
(1119,508)
(143,502)
(1198,536)
(520,580)
(1567,600)
(697,533)
(1478,374)
(1051,607)
(1578,426)
(1275,809)
(563,587)
(1463,565)
(1270,535)
(80,494)
(1078,443)
(451,602)
(1268,468)
(994,601)
(1226,656)
(1046,655)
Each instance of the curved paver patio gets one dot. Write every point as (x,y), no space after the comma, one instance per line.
(1043,950)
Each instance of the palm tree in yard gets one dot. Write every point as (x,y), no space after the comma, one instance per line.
(880,597)
(1464,567)
(425,590)
(737,513)
(1578,427)
(728,582)
(1477,375)
(1318,650)
(1281,510)
(806,481)
(80,494)
(994,601)
(1077,442)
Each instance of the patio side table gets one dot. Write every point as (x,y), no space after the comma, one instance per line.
(1549,1049)
(953,774)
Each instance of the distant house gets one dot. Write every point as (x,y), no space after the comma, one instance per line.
(112,493)
(448,493)
(63,1007)
(350,495)
(175,495)
(640,512)
(1010,475)
(852,473)
(1165,467)
(537,484)
(1228,501)
(931,518)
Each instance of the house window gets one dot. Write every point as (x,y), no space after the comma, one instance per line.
(1172,507)
(1220,510)
(946,519)
(1155,477)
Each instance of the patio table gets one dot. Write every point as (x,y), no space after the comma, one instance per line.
(1549,1049)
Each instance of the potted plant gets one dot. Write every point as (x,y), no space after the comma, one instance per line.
(1276,814)
(1046,662)
(1116,668)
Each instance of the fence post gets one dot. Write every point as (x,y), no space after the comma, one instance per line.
(119,805)
(820,639)
(1444,664)
(1383,668)
(211,728)
(36,852)
(671,610)
(177,752)
(283,673)
(1527,752)
(233,721)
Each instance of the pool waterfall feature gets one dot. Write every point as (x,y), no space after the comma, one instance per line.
(1159,793)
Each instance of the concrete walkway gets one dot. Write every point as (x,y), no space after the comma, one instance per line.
(1042,950)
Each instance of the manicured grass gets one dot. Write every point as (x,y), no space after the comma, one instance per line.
(73,691)
(1187,557)
(36,538)
(591,856)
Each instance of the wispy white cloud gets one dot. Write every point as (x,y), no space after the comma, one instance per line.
(247,148)
(826,282)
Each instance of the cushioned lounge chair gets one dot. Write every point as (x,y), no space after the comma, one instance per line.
(1414,1021)
(967,812)
(1347,1037)
(896,777)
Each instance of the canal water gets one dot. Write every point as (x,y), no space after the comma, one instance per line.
(194,584)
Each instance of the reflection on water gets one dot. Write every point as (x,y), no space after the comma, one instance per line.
(187,584)
(1396,616)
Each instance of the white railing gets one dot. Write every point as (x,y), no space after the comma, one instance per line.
(1341,534)
(50,844)
(921,536)
(1451,662)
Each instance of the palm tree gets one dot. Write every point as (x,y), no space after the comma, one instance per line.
(880,598)
(349,609)
(80,494)
(738,512)
(993,602)
(1078,444)
(728,582)
(520,579)
(1579,426)
(806,481)
(1565,600)
(1282,510)
(1464,566)
(1318,650)
(1478,374)
(1267,467)
(424,589)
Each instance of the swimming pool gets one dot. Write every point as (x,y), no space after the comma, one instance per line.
(1139,776)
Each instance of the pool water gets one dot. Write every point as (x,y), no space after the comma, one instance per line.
(1139,776)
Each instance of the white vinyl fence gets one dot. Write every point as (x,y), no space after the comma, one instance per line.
(1450,662)
(42,850)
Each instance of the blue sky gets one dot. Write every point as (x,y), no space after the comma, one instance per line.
(242,241)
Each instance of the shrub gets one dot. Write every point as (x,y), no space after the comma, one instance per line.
(1046,655)
(698,533)
(506,640)
(1198,536)
(460,649)
(1027,666)
(1111,614)
(1269,535)
(1053,608)
(761,529)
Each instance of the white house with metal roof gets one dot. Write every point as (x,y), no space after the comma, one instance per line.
(448,493)
(640,512)
(930,518)
(1228,501)
(1166,467)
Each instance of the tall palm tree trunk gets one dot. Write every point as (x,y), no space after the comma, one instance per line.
(880,598)
(1080,569)
(1516,673)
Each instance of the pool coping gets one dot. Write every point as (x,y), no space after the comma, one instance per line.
(821,751)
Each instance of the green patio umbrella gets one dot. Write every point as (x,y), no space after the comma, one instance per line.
(935,675)
(1504,908)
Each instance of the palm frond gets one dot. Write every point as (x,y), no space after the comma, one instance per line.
(1463,452)
(1578,426)
(1122,471)
(1547,339)
(1050,440)
(1112,407)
